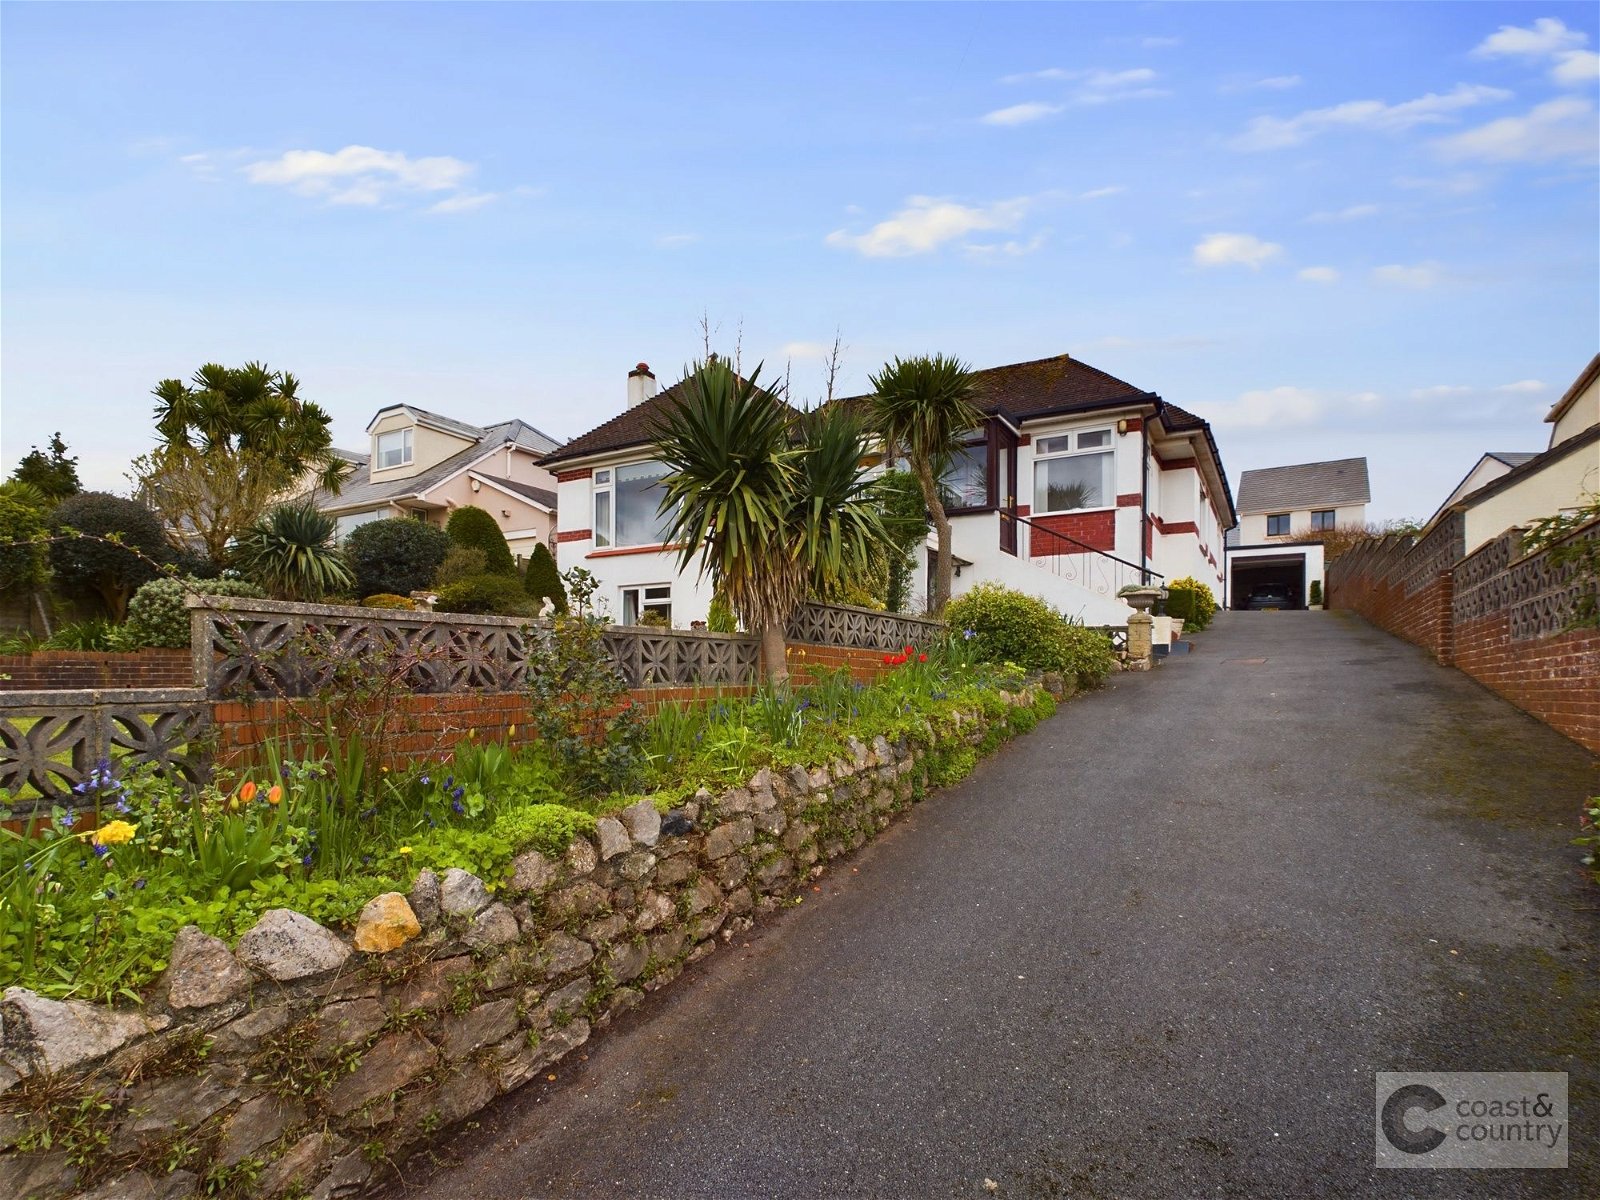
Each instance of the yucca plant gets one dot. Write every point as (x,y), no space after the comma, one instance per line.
(769,501)
(924,406)
(290,552)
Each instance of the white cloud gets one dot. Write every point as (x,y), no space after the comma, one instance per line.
(1557,129)
(1546,37)
(1318,274)
(1522,387)
(1272,83)
(1278,407)
(1094,87)
(1099,193)
(463,202)
(1440,391)
(1355,212)
(1550,40)
(806,350)
(1574,68)
(1021,114)
(1461,184)
(671,241)
(926,223)
(1416,276)
(1235,249)
(1277,133)
(988,252)
(362,175)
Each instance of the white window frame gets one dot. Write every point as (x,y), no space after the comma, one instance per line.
(602,531)
(1074,448)
(642,601)
(603,482)
(406,448)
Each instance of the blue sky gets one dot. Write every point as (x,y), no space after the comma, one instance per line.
(1331,229)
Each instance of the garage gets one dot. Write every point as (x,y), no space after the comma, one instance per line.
(1284,572)
(1278,576)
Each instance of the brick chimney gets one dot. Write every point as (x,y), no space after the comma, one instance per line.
(641,384)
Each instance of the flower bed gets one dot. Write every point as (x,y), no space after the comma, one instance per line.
(482,937)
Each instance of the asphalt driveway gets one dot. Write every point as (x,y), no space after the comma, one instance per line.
(1158,948)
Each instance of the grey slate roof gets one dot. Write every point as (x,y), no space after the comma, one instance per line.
(538,495)
(1512,458)
(360,492)
(1305,485)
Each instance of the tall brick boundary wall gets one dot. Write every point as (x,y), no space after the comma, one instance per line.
(1497,615)
(1403,586)
(74,670)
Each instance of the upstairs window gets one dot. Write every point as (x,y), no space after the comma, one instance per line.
(1073,471)
(394,448)
(1277,524)
(1323,519)
(626,503)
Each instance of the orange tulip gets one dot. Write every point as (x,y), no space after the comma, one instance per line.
(247,791)
(274,794)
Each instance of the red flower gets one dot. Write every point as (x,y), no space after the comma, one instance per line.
(922,658)
(909,649)
(888,660)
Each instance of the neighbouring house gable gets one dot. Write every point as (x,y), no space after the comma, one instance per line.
(1579,407)
(1334,484)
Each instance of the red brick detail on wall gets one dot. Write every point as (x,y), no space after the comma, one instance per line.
(428,728)
(1180,527)
(54,670)
(1129,500)
(1024,509)
(1135,424)
(1180,464)
(1025,439)
(1096,530)
(1553,678)
(575,474)
(575,535)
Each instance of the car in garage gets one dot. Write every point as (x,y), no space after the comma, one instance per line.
(1269,597)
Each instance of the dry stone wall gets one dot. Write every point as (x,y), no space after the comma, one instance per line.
(304,1063)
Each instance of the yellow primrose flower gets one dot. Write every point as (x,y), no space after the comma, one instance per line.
(512,732)
(405,849)
(113,833)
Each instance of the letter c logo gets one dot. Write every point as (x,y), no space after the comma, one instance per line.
(1403,1101)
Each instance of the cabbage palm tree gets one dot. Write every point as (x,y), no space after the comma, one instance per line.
(924,406)
(769,501)
(290,552)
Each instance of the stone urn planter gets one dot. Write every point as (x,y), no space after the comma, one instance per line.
(1141,599)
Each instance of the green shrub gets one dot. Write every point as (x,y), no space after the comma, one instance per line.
(1196,600)
(93,634)
(111,571)
(543,581)
(498,595)
(475,529)
(290,552)
(1012,626)
(720,618)
(22,561)
(157,616)
(460,563)
(1316,592)
(387,600)
(395,556)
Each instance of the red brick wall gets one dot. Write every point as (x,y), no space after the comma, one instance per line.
(52,670)
(429,726)
(1422,617)
(1097,530)
(1557,679)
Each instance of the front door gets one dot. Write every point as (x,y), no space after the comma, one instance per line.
(1003,474)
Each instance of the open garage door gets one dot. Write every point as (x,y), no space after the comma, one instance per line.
(1281,575)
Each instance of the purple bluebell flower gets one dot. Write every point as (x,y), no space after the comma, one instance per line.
(449,782)
(459,792)
(305,861)
(101,851)
(458,806)
(425,781)
(139,884)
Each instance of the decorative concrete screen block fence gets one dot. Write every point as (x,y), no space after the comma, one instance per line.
(246,651)
(304,1063)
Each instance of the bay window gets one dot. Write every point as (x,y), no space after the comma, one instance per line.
(1073,471)
(966,481)
(626,503)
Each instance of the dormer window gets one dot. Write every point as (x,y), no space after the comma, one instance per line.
(394,448)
